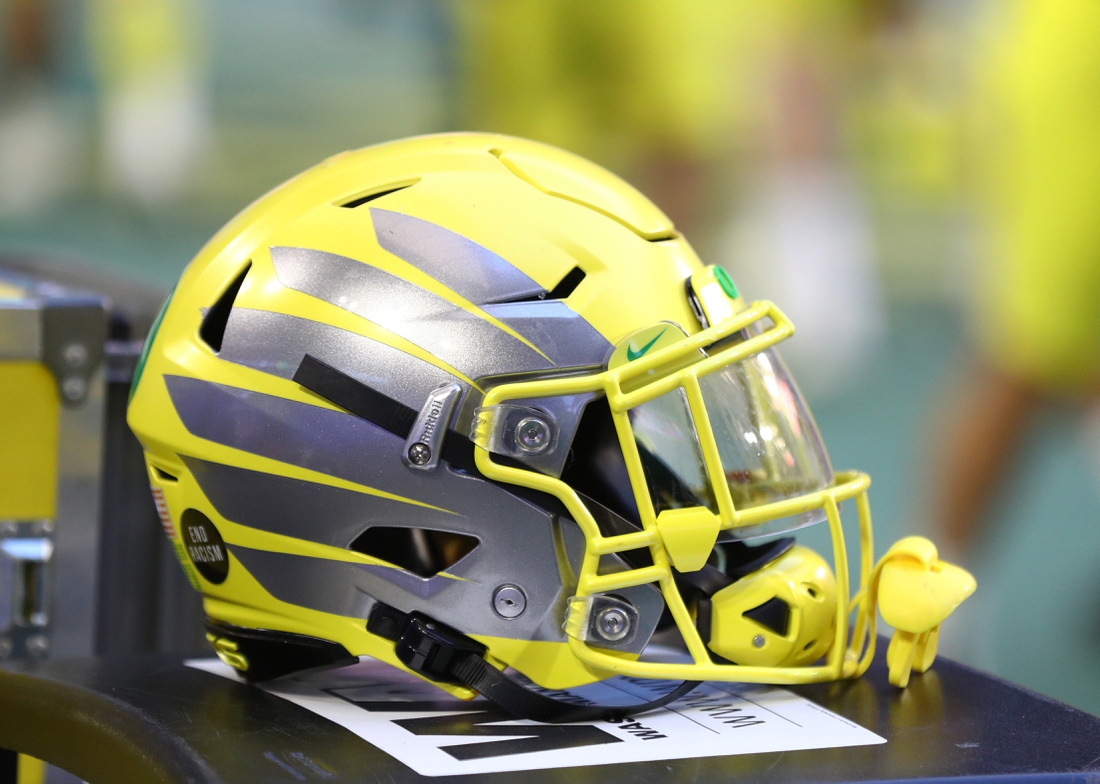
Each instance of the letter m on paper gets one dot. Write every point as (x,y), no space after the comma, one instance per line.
(515,739)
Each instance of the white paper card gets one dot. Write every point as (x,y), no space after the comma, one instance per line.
(438,735)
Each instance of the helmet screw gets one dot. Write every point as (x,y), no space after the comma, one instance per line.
(75,354)
(758,641)
(532,435)
(509,601)
(419,454)
(74,388)
(38,645)
(612,624)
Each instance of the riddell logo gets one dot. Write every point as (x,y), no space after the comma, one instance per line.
(431,421)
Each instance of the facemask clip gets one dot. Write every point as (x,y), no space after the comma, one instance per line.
(520,432)
(606,621)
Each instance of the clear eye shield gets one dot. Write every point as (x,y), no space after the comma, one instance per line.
(735,401)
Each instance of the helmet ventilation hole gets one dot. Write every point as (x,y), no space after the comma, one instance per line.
(217,315)
(359,201)
(422,551)
(774,614)
(162,475)
(568,284)
(562,290)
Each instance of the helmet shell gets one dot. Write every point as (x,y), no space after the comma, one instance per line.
(455,259)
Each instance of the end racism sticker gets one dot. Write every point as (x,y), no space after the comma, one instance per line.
(438,735)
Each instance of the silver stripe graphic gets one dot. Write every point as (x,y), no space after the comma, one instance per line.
(421,587)
(460,338)
(517,540)
(559,332)
(346,588)
(351,590)
(329,442)
(275,343)
(307,510)
(327,586)
(460,264)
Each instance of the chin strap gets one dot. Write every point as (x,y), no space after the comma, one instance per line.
(439,653)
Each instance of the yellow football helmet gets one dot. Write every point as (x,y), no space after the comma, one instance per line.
(467,402)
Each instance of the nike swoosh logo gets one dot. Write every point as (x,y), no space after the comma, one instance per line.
(632,355)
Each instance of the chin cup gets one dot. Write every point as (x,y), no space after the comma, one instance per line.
(781,615)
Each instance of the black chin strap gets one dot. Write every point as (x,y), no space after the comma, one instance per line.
(440,653)
(498,688)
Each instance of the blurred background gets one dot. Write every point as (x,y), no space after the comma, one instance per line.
(916,182)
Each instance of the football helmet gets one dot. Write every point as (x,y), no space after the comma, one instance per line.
(465,403)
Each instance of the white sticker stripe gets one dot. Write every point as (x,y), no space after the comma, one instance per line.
(162,512)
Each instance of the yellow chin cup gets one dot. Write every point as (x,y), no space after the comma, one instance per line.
(780,616)
(916,592)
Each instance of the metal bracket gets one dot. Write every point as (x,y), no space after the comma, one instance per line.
(63,328)
(424,444)
(26,556)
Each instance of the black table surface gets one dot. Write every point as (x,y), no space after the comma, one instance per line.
(152,719)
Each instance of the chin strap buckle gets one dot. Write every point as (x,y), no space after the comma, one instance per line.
(439,653)
(425,646)
(431,649)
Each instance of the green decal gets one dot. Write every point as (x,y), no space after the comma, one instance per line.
(632,355)
(140,367)
(725,282)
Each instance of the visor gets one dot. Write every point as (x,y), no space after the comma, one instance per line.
(769,446)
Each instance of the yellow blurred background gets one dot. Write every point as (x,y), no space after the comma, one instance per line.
(916,182)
